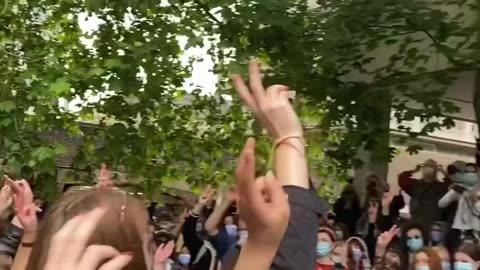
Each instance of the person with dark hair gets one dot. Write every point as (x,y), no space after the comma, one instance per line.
(467,257)
(347,208)
(425,192)
(438,232)
(389,254)
(414,237)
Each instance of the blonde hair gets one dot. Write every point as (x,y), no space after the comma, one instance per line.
(124,226)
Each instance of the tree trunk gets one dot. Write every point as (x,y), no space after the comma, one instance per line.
(376,159)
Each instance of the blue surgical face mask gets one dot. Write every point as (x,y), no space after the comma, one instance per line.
(184,259)
(415,244)
(422,267)
(462,266)
(446,266)
(232,230)
(468,178)
(323,248)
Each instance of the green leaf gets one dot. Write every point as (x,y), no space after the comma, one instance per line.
(43,153)
(60,86)
(96,71)
(7,106)
(112,63)
(6,122)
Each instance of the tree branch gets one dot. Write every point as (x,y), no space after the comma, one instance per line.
(439,45)
(206,8)
(394,79)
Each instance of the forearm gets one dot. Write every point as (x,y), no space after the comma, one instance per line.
(23,252)
(198,208)
(379,251)
(10,239)
(291,163)
(211,225)
(252,257)
(386,210)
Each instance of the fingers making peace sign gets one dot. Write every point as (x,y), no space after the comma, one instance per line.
(270,106)
(386,237)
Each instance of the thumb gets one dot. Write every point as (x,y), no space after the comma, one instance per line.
(274,189)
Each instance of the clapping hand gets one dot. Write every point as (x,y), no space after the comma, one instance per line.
(262,203)
(69,250)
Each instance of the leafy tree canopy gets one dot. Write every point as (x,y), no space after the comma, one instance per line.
(151,127)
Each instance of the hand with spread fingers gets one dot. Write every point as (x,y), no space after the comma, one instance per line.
(270,106)
(69,250)
(264,207)
(386,237)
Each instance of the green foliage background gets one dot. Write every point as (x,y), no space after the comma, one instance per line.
(149,126)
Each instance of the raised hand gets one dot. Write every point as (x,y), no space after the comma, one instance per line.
(262,203)
(104,180)
(387,199)
(163,252)
(386,237)
(206,195)
(6,198)
(232,195)
(25,208)
(271,107)
(69,250)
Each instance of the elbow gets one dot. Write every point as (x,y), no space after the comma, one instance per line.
(210,229)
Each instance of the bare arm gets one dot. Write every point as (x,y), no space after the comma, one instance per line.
(252,257)
(211,225)
(24,250)
(291,163)
(448,198)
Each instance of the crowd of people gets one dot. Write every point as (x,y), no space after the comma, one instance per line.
(272,221)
